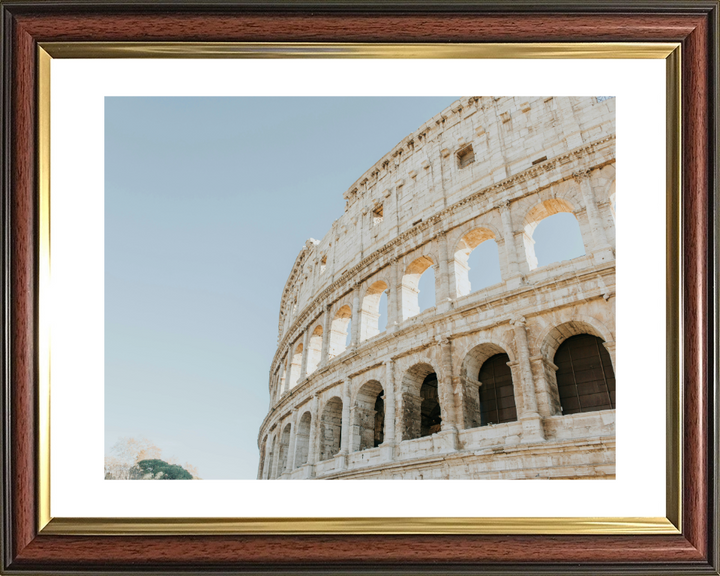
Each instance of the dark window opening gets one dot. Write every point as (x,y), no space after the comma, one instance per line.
(585,376)
(497,397)
(466,156)
(379,421)
(430,419)
(539,160)
(378,214)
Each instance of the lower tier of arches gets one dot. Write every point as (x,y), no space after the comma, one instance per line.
(573,434)
(483,455)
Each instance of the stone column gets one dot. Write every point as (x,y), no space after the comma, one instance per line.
(303,362)
(390,292)
(263,459)
(274,473)
(288,370)
(265,472)
(293,441)
(397,303)
(389,435)
(314,431)
(445,388)
(271,391)
(325,337)
(279,385)
(334,251)
(601,248)
(511,252)
(345,440)
(443,298)
(546,389)
(355,336)
(528,412)
(400,407)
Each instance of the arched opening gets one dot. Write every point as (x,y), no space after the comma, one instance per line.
(302,440)
(421,414)
(426,289)
(284,450)
(476,264)
(370,317)
(497,395)
(339,331)
(484,264)
(331,428)
(295,366)
(412,288)
(369,418)
(382,321)
(552,234)
(585,376)
(314,349)
(473,362)
(430,421)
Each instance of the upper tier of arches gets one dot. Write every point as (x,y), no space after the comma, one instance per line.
(479,150)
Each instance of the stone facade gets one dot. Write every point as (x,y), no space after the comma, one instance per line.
(483,169)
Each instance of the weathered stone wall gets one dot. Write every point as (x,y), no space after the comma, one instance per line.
(483,169)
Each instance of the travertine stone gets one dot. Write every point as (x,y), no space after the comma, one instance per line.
(428,203)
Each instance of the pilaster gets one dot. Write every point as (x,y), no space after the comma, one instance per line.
(528,412)
(304,361)
(514,278)
(546,386)
(602,250)
(345,439)
(325,337)
(288,370)
(314,431)
(443,298)
(293,440)
(355,336)
(398,291)
(446,393)
(390,404)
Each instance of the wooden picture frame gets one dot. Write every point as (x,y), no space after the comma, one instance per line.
(31,544)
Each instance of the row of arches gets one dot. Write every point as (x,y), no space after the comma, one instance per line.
(549,228)
(474,264)
(584,381)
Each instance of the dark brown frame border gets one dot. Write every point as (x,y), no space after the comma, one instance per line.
(694,23)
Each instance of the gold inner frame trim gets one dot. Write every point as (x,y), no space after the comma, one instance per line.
(268,526)
(287,526)
(559,50)
(43,398)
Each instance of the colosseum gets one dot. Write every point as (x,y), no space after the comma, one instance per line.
(510,381)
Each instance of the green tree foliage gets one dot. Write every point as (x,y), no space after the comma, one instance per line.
(155,469)
(122,462)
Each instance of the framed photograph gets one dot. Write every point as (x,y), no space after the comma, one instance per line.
(263,245)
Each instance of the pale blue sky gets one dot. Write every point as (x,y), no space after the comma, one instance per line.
(207,204)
